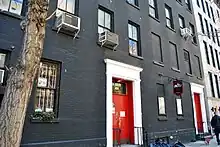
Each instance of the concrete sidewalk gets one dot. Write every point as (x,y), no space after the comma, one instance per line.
(213,143)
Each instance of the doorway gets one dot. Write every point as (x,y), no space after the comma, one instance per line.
(198,113)
(122,112)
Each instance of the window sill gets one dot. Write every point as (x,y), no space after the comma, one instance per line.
(199,78)
(180,117)
(137,7)
(176,70)
(190,11)
(41,121)
(179,2)
(188,74)
(11,14)
(138,57)
(171,29)
(158,63)
(194,43)
(154,18)
(162,118)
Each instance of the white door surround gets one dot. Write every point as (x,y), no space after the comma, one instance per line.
(115,69)
(196,88)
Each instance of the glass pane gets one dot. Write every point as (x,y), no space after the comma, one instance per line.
(108,21)
(71,6)
(2,73)
(179,106)
(2,60)
(101,18)
(167,13)
(134,33)
(181,22)
(16,6)
(61,4)
(129,31)
(131,1)
(4,5)
(161,103)
(152,12)
(100,29)
(119,88)
(133,47)
(151,2)
(168,23)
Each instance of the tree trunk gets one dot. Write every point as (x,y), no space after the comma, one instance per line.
(19,84)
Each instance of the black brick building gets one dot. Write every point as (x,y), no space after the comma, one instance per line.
(77,73)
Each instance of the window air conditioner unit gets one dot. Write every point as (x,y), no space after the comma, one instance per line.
(68,22)
(109,39)
(185,32)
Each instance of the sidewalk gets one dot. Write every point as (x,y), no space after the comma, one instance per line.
(202,144)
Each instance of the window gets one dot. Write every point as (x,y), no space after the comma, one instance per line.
(119,88)
(169,19)
(207,6)
(203,6)
(105,20)
(188,4)
(211,84)
(157,50)
(174,56)
(67,5)
(180,1)
(198,66)
(3,58)
(47,86)
(13,6)
(201,23)
(133,34)
(217,59)
(216,33)
(213,34)
(161,99)
(153,8)
(179,107)
(198,3)
(187,62)
(181,22)
(207,29)
(213,17)
(192,28)
(206,52)
(212,55)
(133,2)
(217,85)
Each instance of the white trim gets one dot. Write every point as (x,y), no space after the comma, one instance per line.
(128,72)
(196,88)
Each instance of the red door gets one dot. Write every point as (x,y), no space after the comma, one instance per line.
(121,113)
(198,112)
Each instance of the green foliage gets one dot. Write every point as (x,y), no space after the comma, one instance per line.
(44,116)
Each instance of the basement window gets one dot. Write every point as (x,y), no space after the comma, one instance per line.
(46,99)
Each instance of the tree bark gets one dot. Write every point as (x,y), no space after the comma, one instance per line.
(19,84)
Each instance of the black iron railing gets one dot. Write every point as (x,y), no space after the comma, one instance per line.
(116,137)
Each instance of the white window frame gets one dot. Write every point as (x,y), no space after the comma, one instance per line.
(13,6)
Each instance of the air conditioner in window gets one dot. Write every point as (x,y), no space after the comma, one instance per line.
(109,39)
(68,22)
(185,32)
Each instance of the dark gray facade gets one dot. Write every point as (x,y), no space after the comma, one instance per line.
(82,106)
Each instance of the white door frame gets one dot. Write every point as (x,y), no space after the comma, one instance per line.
(115,69)
(196,88)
